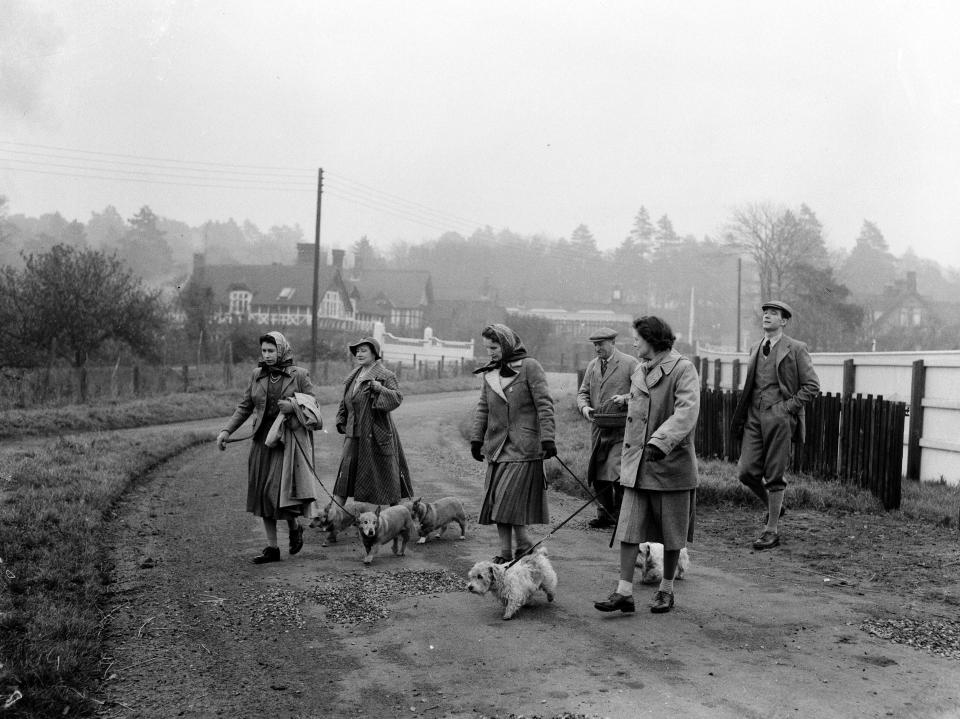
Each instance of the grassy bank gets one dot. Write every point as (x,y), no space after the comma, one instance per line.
(932,503)
(167,409)
(54,502)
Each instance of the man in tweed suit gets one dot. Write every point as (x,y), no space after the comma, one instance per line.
(608,374)
(770,414)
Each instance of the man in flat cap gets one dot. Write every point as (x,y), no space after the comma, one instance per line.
(770,414)
(607,374)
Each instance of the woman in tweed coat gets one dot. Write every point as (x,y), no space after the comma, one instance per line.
(513,429)
(273,383)
(372,466)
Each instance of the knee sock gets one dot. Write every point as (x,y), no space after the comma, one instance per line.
(270,529)
(774,503)
(666,585)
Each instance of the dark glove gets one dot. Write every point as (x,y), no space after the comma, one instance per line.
(549,448)
(341,429)
(475,450)
(652,453)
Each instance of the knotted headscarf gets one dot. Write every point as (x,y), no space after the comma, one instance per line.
(511,349)
(284,355)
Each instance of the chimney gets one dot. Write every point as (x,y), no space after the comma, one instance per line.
(199,266)
(912,282)
(305,253)
(338,256)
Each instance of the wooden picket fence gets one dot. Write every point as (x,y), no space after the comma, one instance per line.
(853,439)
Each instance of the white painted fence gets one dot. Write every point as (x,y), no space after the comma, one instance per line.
(429,350)
(891,375)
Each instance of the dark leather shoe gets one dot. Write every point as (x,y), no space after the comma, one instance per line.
(767,540)
(614,602)
(600,523)
(296,540)
(270,554)
(662,602)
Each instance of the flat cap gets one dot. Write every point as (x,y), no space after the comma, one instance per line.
(604,333)
(778,305)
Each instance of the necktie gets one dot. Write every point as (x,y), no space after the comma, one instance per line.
(603,367)
(766,348)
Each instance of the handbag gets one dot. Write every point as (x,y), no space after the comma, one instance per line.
(275,435)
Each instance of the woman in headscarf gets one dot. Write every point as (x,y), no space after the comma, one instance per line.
(372,468)
(280,479)
(513,429)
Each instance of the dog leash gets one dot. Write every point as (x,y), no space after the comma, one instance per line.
(593,498)
(616,522)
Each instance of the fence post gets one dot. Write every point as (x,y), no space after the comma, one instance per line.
(735,370)
(704,368)
(186,378)
(136,379)
(717,372)
(918,383)
(849,378)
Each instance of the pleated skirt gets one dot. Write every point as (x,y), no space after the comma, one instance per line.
(264,472)
(515,493)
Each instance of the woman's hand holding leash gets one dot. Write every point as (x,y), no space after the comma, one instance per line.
(549,448)
(475,448)
(222,439)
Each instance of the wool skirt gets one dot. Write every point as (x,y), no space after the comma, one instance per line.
(515,493)
(264,472)
(654,516)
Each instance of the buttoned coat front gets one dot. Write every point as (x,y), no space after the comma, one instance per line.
(595,390)
(295,379)
(798,382)
(512,421)
(663,410)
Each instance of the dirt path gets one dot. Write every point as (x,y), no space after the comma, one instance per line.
(196,630)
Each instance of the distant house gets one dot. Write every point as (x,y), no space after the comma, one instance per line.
(901,318)
(577,322)
(348,299)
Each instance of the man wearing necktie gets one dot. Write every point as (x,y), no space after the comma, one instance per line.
(608,374)
(770,414)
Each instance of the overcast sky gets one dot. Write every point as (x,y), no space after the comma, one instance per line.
(534,116)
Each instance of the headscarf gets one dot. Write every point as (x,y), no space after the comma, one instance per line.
(511,349)
(284,355)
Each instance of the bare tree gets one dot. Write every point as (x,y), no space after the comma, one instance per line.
(780,242)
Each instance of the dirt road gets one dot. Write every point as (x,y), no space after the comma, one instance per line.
(196,630)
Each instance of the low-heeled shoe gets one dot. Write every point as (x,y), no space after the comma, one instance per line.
(767,540)
(270,554)
(662,602)
(296,540)
(614,602)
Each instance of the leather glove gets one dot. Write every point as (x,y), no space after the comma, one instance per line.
(549,448)
(341,429)
(652,453)
(222,439)
(475,450)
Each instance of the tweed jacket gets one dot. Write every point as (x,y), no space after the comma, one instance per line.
(596,389)
(295,379)
(663,410)
(797,379)
(512,421)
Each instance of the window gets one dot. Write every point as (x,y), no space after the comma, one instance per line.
(240,302)
(285,294)
(332,306)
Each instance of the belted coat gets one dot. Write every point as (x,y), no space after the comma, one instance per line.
(595,390)
(798,382)
(663,410)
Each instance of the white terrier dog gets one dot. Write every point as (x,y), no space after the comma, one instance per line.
(650,561)
(333,519)
(516,586)
(383,525)
(432,516)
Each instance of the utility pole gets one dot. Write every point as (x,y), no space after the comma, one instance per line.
(739,285)
(316,280)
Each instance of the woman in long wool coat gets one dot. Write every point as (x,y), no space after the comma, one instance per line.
(281,484)
(513,429)
(372,466)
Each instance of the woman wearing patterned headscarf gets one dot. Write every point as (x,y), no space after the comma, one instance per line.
(513,429)
(269,494)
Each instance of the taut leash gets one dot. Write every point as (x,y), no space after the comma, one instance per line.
(593,498)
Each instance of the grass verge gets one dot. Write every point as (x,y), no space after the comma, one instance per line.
(934,503)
